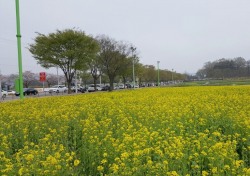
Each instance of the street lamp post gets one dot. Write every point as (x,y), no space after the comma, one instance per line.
(133,61)
(158,72)
(57,76)
(172,76)
(100,73)
(0,86)
(19,50)
(76,81)
(133,73)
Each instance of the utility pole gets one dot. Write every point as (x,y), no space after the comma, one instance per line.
(1,86)
(133,59)
(100,77)
(172,76)
(19,50)
(158,73)
(57,76)
(76,81)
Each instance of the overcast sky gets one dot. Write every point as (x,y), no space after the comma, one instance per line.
(181,34)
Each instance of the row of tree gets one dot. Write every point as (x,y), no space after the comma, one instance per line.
(225,68)
(145,75)
(75,52)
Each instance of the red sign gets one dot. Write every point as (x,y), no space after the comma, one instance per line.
(42,76)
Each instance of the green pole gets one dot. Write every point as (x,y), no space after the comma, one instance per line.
(133,57)
(158,73)
(19,50)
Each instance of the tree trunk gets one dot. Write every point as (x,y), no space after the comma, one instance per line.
(124,82)
(69,87)
(85,83)
(26,84)
(48,84)
(95,82)
(111,81)
(140,83)
(68,80)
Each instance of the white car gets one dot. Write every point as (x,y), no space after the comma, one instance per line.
(116,87)
(11,92)
(57,89)
(91,88)
(4,93)
(121,86)
(136,86)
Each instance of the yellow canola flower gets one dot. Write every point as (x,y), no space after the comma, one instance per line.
(52,160)
(58,167)
(227,167)
(205,173)
(57,155)
(214,170)
(29,157)
(104,161)
(247,171)
(76,162)
(105,154)
(238,163)
(173,173)
(124,155)
(20,171)
(115,168)
(153,131)
(100,168)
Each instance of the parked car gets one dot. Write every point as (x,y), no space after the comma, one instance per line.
(79,89)
(128,86)
(105,88)
(116,87)
(28,91)
(56,88)
(11,92)
(136,86)
(4,93)
(91,88)
(121,86)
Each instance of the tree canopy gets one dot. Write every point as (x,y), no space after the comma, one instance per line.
(70,50)
(114,57)
(73,51)
(225,68)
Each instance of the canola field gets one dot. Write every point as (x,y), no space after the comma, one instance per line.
(158,131)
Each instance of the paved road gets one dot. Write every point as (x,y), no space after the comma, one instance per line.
(41,94)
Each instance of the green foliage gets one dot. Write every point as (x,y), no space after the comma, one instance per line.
(69,49)
(225,82)
(62,48)
(114,57)
(225,68)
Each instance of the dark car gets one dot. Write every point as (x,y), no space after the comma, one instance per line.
(105,88)
(79,89)
(28,91)
(128,86)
